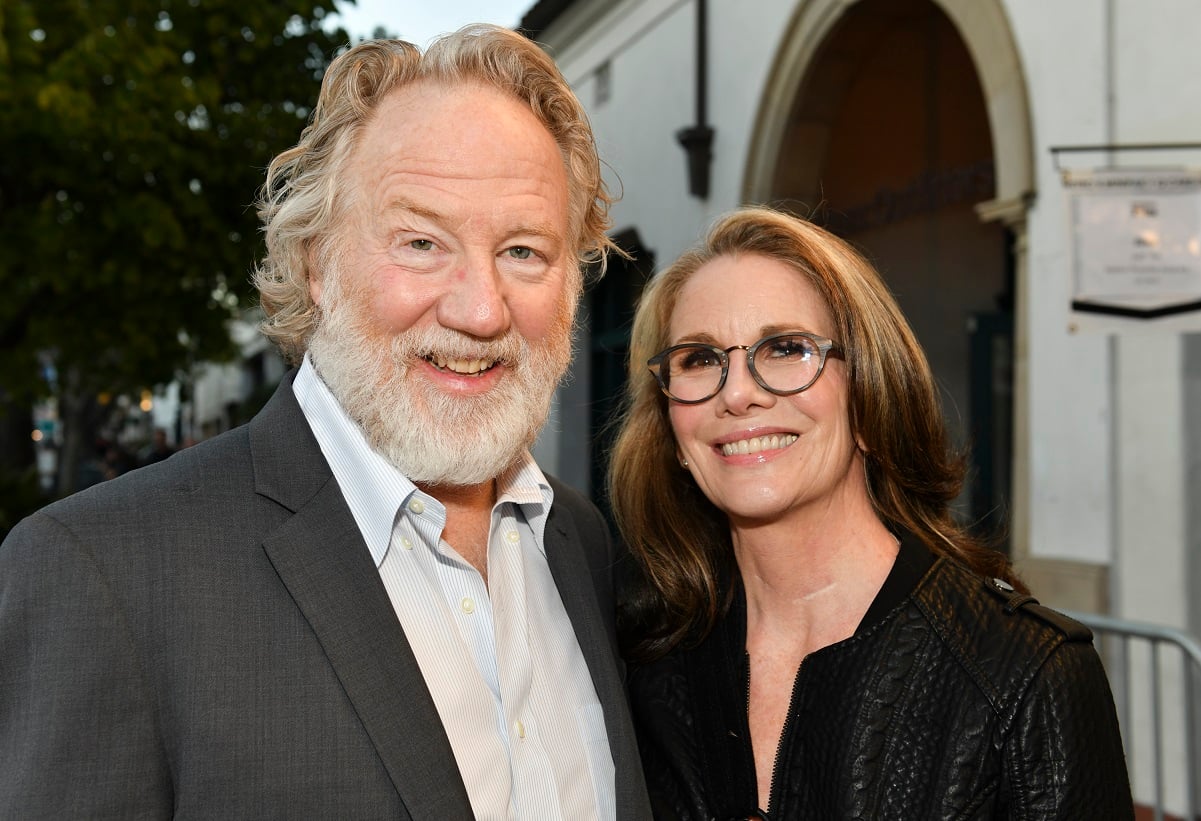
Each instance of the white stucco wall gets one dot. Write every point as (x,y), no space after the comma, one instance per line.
(1107,414)
(1071,446)
(650,45)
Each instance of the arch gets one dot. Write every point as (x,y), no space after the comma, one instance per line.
(985,30)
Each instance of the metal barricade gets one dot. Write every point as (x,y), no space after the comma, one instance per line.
(1141,660)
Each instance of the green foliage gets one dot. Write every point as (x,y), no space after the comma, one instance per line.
(133,137)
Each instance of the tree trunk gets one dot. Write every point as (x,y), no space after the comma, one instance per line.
(77,409)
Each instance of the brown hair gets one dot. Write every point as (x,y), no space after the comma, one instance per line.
(305,193)
(680,539)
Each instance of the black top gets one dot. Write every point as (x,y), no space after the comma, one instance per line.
(912,562)
(954,699)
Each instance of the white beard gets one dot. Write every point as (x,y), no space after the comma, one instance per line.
(432,437)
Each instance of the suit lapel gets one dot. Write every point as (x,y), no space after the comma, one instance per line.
(321,558)
(574,579)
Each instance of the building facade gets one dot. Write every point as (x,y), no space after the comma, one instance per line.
(949,140)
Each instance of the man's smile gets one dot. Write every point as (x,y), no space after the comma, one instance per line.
(463,367)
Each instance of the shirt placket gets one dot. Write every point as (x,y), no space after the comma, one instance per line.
(534,794)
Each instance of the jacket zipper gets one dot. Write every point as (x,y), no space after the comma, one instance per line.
(772,798)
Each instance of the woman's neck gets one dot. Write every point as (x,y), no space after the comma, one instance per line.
(809,583)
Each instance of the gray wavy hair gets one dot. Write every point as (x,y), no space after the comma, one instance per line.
(305,194)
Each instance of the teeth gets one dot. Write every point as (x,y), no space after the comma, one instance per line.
(466,367)
(744,447)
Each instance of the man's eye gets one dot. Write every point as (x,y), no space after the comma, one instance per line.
(520,252)
(421,245)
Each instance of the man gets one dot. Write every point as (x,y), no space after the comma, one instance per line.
(368,602)
(158,449)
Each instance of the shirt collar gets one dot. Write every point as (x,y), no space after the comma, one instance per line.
(526,486)
(375,489)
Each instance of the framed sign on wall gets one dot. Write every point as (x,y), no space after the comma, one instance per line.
(1135,242)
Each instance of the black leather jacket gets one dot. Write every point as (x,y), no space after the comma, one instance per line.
(958,700)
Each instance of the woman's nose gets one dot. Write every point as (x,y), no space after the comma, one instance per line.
(742,391)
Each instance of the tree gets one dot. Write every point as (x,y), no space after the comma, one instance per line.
(133,137)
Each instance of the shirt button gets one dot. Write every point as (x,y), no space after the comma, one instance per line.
(513,536)
(467,605)
(417,506)
(407,542)
(519,728)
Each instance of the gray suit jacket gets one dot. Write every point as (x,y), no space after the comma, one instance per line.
(208,637)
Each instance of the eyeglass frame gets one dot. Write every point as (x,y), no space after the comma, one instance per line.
(825,346)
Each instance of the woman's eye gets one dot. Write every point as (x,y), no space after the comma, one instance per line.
(520,252)
(695,360)
(421,245)
(790,349)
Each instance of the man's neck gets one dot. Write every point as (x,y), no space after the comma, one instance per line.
(468,519)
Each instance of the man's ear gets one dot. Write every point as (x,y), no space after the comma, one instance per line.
(316,281)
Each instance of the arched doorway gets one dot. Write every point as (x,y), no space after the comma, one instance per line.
(878,125)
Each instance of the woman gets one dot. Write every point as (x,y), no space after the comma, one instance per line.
(819,639)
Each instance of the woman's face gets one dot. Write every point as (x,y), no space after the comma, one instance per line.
(760,457)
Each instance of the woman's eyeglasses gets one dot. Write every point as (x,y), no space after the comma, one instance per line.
(783,364)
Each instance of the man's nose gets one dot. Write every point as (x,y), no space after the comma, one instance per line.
(474,302)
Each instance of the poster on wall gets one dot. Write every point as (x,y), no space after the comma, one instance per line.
(1136,244)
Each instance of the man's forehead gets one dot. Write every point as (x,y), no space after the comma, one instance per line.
(440,118)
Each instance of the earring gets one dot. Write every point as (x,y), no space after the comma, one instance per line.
(682,460)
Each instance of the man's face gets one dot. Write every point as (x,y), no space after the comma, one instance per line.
(447,306)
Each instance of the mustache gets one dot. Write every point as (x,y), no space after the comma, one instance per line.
(439,342)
